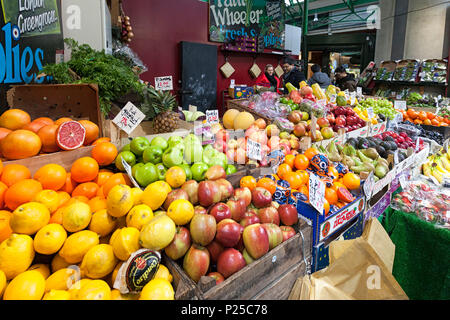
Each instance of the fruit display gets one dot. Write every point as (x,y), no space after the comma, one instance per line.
(434,71)
(345,118)
(437,167)
(425,117)
(22,137)
(381,107)
(417,130)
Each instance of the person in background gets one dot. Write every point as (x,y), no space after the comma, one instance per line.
(268,79)
(319,77)
(292,74)
(344,80)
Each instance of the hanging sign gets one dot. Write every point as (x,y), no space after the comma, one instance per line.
(164,83)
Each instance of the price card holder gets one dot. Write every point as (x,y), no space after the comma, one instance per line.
(316,192)
(254,150)
(400,104)
(370,113)
(359,93)
(129,118)
(129,172)
(333,98)
(212,116)
(368,185)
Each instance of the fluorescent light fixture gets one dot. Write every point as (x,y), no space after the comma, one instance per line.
(315,18)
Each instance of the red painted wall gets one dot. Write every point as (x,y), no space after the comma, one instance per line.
(159,26)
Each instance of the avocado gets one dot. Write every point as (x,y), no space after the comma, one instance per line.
(381,151)
(353,142)
(388,138)
(386,145)
(363,144)
(372,143)
(393,145)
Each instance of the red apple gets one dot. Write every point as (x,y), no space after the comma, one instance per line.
(222,135)
(295,117)
(269,215)
(299,130)
(248,259)
(261,123)
(261,197)
(331,119)
(215,249)
(215,172)
(288,232)
(327,133)
(274,233)
(202,228)
(248,220)
(243,193)
(228,233)
(230,261)
(226,189)
(237,208)
(217,276)
(240,245)
(273,142)
(191,187)
(175,195)
(340,121)
(323,122)
(256,240)
(196,262)
(208,193)
(219,146)
(306,91)
(274,204)
(179,245)
(200,210)
(220,211)
(288,214)
(241,156)
(294,144)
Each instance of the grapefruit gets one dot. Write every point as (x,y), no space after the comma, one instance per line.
(70,135)
(20,144)
(14,119)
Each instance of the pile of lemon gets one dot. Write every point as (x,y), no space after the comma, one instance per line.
(88,248)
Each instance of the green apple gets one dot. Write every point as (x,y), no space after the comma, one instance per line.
(198,171)
(135,167)
(146,174)
(174,140)
(161,170)
(193,149)
(138,145)
(129,158)
(153,154)
(159,142)
(126,147)
(219,159)
(187,170)
(230,169)
(172,157)
(208,154)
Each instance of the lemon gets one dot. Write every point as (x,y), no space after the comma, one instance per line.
(155,194)
(119,200)
(77,244)
(175,177)
(48,198)
(16,254)
(158,233)
(62,279)
(163,273)
(115,272)
(181,211)
(137,194)
(157,289)
(76,216)
(28,285)
(29,218)
(159,212)
(102,223)
(75,288)
(94,290)
(49,239)
(2,282)
(125,241)
(116,295)
(57,295)
(98,262)
(139,215)
(42,268)
(58,263)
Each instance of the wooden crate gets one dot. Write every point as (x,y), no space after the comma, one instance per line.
(238,105)
(272,275)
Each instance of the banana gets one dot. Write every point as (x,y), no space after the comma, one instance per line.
(426,169)
(437,175)
(445,163)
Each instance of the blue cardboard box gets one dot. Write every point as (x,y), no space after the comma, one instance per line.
(243,92)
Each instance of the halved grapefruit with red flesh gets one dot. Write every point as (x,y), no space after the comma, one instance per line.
(70,135)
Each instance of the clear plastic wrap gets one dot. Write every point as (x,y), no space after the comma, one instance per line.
(125,53)
(408,129)
(268,104)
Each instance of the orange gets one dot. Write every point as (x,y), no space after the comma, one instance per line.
(301,162)
(21,192)
(92,131)
(34,126)
(97,204)
(14,119)
(304,189)
(45,120)
(47,134)
(100,140)
(332,172)
(294,179)
(13,173)
(100,193)
(104,153)
(289,159)
(310,153)
(434,122)
(267,184)
(337,185)
(84,169)
(427,122)
(115,179)
(76,199)
(63,198)
(412,114)
(51,176)
(20,144)
(423,115)
(304,175)
(326,206)
(331,196)
(248,181)
(175,176)
(283,169)
(4,132)
(103,176)
(1,167)
(431,115)
(3,188)
(5,229)
(62,120)
(418,121)
(69,184)
(87,189)
(351,181)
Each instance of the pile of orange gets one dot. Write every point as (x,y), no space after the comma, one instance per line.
(424,117)
(21,137)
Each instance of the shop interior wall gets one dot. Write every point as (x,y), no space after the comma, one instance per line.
(160,25)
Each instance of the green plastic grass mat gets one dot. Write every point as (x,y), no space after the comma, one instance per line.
(422,256)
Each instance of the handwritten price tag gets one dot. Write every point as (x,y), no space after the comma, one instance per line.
(254,150)
(164,83)
(368,185)
(129,118)
(212,116)
(370,113)
(316,192)
(400,104)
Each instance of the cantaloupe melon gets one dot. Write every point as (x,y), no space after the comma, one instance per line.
(228,118)
(243,120)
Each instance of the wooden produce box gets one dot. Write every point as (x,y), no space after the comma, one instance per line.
(270,277)
(238,105)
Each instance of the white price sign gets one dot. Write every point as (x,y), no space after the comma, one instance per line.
(129,172)
(212,116)
(164,83)
(400,104)
(368,185)
(370,113)
(333,98)
(254,150)
(129,118)
(359,92)
(316,192)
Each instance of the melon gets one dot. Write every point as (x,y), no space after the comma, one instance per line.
(243,120)
(228,118)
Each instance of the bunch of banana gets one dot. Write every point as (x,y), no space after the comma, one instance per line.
(438,166)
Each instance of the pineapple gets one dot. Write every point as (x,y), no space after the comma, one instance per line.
(163,103)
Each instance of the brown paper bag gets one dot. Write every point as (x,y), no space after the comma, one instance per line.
(380,241)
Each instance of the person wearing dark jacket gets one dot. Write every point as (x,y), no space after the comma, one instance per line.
(344,80)
(268,79)
(292,74)
(319,77)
